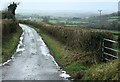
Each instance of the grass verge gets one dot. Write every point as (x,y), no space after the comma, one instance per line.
(106,71)
(9,44)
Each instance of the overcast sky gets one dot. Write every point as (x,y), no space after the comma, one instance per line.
(62,5)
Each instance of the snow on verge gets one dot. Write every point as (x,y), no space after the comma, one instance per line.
(20,46)
(64,75)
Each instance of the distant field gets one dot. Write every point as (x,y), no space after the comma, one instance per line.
(105,22)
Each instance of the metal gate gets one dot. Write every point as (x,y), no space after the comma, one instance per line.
(110,49)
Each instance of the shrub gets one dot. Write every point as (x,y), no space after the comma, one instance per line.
(7,15)
(9,26)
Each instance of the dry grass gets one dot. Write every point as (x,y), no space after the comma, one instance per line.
(106,71)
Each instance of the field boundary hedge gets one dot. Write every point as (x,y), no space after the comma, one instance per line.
(78,39)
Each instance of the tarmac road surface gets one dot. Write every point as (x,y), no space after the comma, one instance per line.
(32,60)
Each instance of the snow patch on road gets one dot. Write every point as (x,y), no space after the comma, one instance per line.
(20,46)
(45,51)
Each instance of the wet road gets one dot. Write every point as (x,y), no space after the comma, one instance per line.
(32,60)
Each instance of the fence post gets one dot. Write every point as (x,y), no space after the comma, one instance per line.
(103,50)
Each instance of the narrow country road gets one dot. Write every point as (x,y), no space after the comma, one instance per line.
(32,60)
